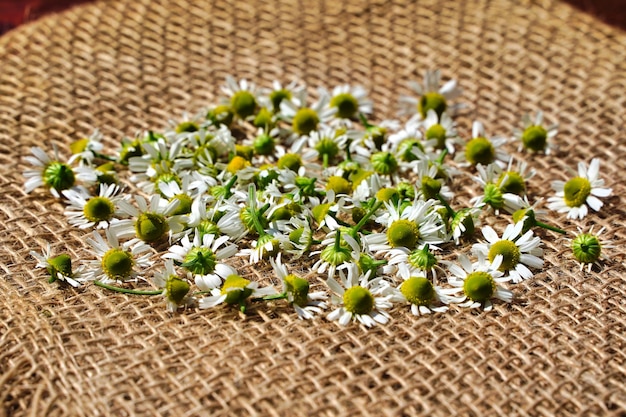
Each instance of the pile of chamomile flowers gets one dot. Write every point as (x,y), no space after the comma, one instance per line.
(270,175)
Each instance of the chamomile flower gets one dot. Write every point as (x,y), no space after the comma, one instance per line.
(464,222)
(150,222)
(517,251)
(422,295)
(573,197)
(431,95)
(430,187)
(86,149)
(350,101)
(441,129)
(325,144)
(304,119)
(587,247)
(53,174)
(271,98)
(359,298)
(267,246)
(535,136)
(175,288)
(241,97)
(297,291)
(59,267)
(483,150)
(86,211)
(235,291)
(203,257)
(115,261)
(479,282)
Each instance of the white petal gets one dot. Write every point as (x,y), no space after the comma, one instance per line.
(601,192)
(490,234)
(594,203)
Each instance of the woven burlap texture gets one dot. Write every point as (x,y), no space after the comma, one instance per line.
(122,66)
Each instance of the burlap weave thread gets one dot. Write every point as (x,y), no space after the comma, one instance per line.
(122,66)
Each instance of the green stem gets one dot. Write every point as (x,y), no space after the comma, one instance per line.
(347,150)
(337,241)
(253,213)
(228,186)
(553,228)
(126,290)
(451,212)
(276,296)
(105,157)
(367,215)
(444,152)
(325,160)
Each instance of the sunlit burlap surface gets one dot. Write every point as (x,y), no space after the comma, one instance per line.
(121,66)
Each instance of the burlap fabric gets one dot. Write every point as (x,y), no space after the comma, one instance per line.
(121,66)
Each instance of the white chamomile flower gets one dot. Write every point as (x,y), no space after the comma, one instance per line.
(203,258)
(350,101)
(59,267)
(175,288)
(271,98)
(464,223)
(151,221)
(235,291)
(184,193)
(85,150)
(573,197)
(86,211)
(423,296)
(359,298)
(304,119)
(587,247)
(241,97)
(535,136)
(115,261)
(429,186)
(325,144)
(483,150)
(479,282)
(267,246)
(296,289)
(441,130)
(517,251)
(54,174)
(431,95)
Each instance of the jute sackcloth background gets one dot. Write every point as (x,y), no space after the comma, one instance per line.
(122,66)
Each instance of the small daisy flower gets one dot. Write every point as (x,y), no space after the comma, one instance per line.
(267,246)
(464,222)
(235,291)
(203,258)
(518,251)
(271,98)
(150,222)
(479,282)
(482,150)
(296,289)
(440,129)
(325,144)
(587,248)
(573,197)
(241,97)
(423,296)
(115,261)
(431,95)
(349,101)
(534,136)
(429,185)
(175,289)
(59,267)
(85,211)
(359,298)
(303,119)
(87,149)
(54,174)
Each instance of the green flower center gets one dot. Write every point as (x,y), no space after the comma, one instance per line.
(277,96)
(479,286)
(493,196)
(62,264)
(167,177)
(98,209)
(151,227)
(576,191)
(405,149)
(290,161)
(327,146)
(403,233)
(264,144)
(200,260)
(235,289)
(176,289)
(184,205)
(118,264)
(263,118)
(422,259)
(387,194)
(418,291)
(298,289)
(509,251)
(535,138)
(438,133)
(305,121)
(339,185)
(358,300)
(514,184)
(187,127)
(586,248)
(430,188)
(221,115)
(384,163)
(58,176)
(480,151)
(346,105)
(320,212)
(243,103)
(432,101)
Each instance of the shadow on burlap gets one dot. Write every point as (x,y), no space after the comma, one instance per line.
(125,66)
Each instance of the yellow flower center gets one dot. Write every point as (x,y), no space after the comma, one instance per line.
(403,233)
(509,251)
(432,101)
(346,105)
(418,291)
(305,121)
(479,286)
(118,264)
(99,209)
(480,151)
(358,300)
(576,191)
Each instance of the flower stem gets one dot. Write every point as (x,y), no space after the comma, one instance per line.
(228,186)
(280,296)
(253,213)
(337,241)
(444,152)
(553,228)
(367,215)
(126,290)
(451,212)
